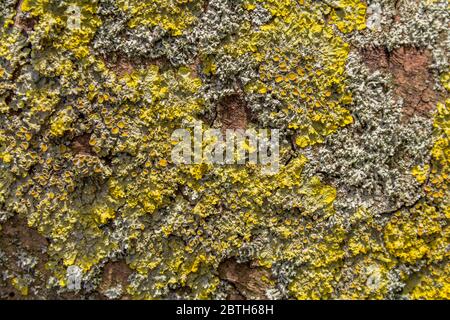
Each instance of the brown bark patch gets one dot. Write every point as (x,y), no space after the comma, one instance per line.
(24,22)
(410,68)
(115,274)
(122,65)
(233,112)
(376,58)
(81,145)
(16,231)
(16,238)
(205,6)
(195,67)
(249,282)
(414,81)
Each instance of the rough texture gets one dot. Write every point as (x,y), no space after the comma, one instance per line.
(91,206)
